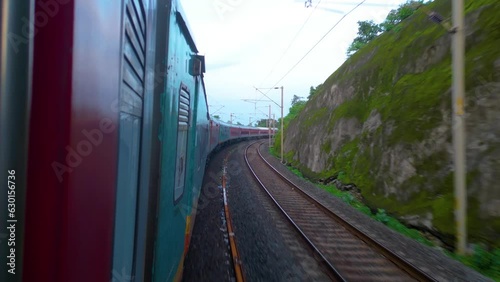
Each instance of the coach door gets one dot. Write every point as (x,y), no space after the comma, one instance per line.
(131,112)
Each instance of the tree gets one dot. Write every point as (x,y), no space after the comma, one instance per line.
(354,47)
(367,31)
(396,16)
(264,122)
(295,99)
(216,116)
(313,91)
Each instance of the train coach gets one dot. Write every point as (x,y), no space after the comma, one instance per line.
(222,133)
(105,126)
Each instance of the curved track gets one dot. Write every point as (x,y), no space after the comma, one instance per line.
(348,253)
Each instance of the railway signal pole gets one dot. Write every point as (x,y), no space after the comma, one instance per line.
(269,124)
(281,106)
(282,122)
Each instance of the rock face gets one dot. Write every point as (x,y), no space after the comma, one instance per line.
(383,122)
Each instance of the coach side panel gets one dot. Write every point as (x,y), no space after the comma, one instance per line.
(178,137)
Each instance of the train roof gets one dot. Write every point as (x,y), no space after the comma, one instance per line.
(239,126)
(186,30)
(181,16)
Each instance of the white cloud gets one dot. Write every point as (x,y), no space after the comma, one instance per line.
(243,40)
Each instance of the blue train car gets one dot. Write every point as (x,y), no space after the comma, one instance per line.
(110,154)
(184,146)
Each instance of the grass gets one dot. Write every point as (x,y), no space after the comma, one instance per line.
(411,101)
(349,199)
(485,261)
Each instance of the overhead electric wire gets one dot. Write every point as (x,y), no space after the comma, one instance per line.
(321,39)
(291,43)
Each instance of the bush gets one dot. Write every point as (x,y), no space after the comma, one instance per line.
(382,216)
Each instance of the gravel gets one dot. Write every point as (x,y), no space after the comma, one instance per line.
(208,257)
(268,247)
(430,260)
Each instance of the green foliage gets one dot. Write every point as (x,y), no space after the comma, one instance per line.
(296,172)
(316,117)
(296,99)
(495,267)
(354,47)
(261,123)
(264,122)
(348,198)
(399,227)
(342,177)
(411,100)
(277,143)
(404,11)
(273,152)
(313,91)
(381,216)
(483,260)
(367,31)
(295,109)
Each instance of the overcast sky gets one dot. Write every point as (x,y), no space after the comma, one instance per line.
(249,43)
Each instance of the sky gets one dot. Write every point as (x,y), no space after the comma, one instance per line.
(251,44)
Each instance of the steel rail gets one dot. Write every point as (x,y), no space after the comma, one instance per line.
(333,271)
(237,263)
(400,262)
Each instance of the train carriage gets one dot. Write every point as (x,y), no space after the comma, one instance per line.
(214,134)
(117,133)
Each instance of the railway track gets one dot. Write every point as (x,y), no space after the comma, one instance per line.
(347,253)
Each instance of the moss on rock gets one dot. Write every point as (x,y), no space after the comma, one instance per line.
(405,76)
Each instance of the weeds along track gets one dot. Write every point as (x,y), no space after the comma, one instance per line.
(349,254)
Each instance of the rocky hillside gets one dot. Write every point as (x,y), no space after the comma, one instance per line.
(382,121)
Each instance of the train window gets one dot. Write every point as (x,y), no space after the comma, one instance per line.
(182,139)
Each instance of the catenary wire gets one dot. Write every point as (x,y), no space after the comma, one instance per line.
(291,43)
(314,46)
(321,39)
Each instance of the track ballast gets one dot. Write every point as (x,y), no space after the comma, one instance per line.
(349,254)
